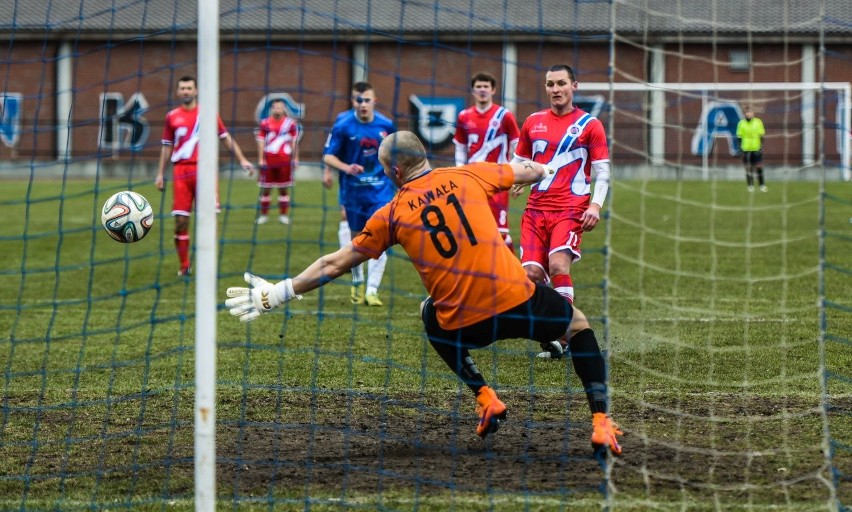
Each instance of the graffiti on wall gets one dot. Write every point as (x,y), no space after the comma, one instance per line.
(434,118)
(292,108)
(11,106)
(718,121)
(123,125)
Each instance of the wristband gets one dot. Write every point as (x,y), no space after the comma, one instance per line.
(284,290)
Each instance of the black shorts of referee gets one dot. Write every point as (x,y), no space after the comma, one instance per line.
(752,157)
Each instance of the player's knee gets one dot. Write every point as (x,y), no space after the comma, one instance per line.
(579,322)
(535,274)
(560,263)
(181,223)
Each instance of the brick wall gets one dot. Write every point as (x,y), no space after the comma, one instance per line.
(318,74)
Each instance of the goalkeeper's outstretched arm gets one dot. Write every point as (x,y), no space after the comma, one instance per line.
(528,172)
(263,296)
(328,268)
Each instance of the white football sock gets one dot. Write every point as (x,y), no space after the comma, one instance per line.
(375,272)
(358,274)
(344,236)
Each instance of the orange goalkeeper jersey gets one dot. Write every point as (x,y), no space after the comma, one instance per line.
(442,220)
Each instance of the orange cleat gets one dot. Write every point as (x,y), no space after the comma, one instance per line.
(491,411)
(604,432)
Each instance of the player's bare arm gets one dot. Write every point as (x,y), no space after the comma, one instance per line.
(336,163)
(295,153)
(234,148)
(261,157)
(165,155)
(262,296)
(327,176)
(327,268)
(516,189)
(528,172)
(591,217)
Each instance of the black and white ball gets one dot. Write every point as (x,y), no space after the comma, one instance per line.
(127,216)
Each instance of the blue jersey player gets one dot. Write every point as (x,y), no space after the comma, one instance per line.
(353,149)
(344,236)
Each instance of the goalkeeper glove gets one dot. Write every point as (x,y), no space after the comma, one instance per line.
(262,297)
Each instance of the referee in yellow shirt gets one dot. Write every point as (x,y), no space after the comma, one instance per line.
(750,131)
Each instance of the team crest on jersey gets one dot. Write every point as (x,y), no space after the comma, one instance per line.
(539,128)
(368,144)
(574,130)
(435,118)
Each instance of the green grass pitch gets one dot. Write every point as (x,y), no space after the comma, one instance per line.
(708,297)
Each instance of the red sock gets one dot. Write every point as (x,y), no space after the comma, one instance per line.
(182,246)
(284,204)
(264,205)
(562,283)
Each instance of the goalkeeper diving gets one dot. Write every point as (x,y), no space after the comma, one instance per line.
(478,291)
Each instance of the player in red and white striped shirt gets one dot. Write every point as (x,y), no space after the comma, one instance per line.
(278,155)
(487,132)
(563,206)
(180,146)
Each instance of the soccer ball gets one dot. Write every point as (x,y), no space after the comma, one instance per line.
(127,216)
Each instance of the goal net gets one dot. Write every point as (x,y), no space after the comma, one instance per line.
(722,307)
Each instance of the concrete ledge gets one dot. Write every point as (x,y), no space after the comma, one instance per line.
(312,171)
(108,169)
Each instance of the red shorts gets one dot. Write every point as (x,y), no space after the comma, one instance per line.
(279,176)
(184,190)
(499,204)
(544,233)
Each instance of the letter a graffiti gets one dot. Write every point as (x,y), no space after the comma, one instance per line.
(718,120)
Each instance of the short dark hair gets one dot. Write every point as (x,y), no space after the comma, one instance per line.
(188,78)
(362,87)
(564,67)
(277,100)
(483,76)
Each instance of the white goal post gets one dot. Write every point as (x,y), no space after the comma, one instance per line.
(710,91)
(206,292)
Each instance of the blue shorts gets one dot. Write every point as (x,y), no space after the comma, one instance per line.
(358,215)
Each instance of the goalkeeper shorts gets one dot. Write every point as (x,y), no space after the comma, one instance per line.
(544,317)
